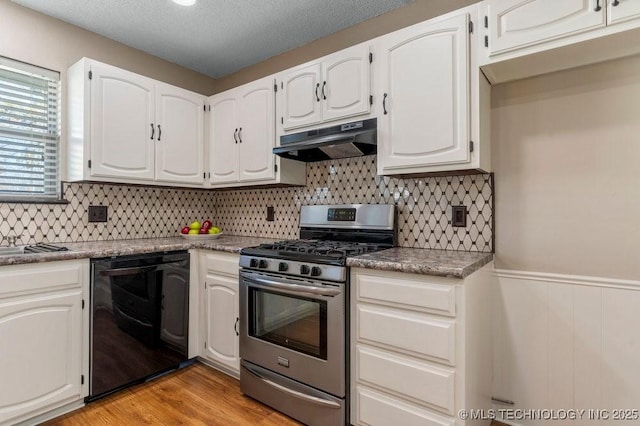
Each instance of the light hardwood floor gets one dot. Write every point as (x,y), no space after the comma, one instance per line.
(195,395)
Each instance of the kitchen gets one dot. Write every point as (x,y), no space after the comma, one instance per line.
(551,213)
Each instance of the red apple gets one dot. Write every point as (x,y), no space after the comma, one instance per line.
(184,230)
(204,230)
(207,224)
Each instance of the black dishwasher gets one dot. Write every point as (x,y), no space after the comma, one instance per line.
(139,319)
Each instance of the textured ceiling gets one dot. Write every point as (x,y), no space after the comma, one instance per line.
(214,37)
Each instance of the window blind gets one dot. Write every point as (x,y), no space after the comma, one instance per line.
(29,131)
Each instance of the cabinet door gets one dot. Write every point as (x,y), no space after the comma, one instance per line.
(174,321)
(256,133)
(223,149)
(301,98)
(221,313)
(346,86)
(622,11)
(122,112)
(425,85)
(515,24)
(180,135)
(41,352)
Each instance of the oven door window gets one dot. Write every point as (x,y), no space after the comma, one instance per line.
(295,323)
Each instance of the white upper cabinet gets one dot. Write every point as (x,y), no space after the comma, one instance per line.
(180,135)
(428,94)
(619,11)
(127,128)
(242,138)
(332,88)
(514,24)
(121,129)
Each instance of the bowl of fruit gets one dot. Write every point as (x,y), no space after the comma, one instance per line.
(197,230)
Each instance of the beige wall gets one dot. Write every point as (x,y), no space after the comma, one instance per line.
(418,11)
(566,151)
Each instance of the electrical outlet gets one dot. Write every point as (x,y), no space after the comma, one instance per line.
(459,216)
(97,213)
(270,214)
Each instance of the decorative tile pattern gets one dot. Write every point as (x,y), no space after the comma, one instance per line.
(424,208)
(134,212)
(424,205)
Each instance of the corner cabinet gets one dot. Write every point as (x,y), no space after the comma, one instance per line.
(127,128)
(218,277)
(434,99)
(44,351)
(420,347)
(335,87)
(242,138)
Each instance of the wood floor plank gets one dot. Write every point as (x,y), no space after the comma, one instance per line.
(196,395)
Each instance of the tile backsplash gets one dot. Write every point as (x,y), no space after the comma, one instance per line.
(134,212)
(424,204)
(424,208)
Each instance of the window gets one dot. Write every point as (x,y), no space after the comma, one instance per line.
(29,132)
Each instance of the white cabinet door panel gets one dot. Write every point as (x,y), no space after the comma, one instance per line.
(40,353)
(223,133)
(515,24)
(346,86)
(301,99)
(122,112)
(425,77)
(221,300)
(256,133)
(623,11)
(180,135)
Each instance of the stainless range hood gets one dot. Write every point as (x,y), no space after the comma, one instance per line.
(342,141)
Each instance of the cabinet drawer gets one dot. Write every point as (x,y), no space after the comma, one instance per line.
(42,276)
(424,383)
(375,408)
(414,292)
(418,334)
(219,262)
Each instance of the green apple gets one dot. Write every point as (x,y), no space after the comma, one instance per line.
(194,231)
(195,225)
(214,230)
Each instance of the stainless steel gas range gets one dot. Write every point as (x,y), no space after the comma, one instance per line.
(294,310)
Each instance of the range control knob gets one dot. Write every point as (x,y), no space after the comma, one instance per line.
(262,264)
(282,266)
(304,269)
(315,271)
(253,263)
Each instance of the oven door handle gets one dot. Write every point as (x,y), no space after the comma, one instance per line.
(294,393)
(118,272)
(294,288)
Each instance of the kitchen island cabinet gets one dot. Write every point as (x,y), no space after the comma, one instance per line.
(44,337)
(420,347)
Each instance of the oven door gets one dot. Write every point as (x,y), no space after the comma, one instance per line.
(294,327)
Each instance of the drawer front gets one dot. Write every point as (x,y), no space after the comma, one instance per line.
(375,408)
(225,263)
(35,277)
(406,377)
(418,334)
(413,293)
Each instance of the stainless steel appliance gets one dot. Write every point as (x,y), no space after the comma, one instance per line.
(139,319)
(293,310)
(341,141)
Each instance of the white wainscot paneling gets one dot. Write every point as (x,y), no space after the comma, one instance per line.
(566,342)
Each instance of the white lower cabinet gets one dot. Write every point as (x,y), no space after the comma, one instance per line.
(44,349)
(420,347)
(219,283)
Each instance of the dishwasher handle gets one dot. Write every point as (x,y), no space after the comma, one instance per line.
(119,272)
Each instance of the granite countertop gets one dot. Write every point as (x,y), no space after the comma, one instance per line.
(444,263)
(228,243)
